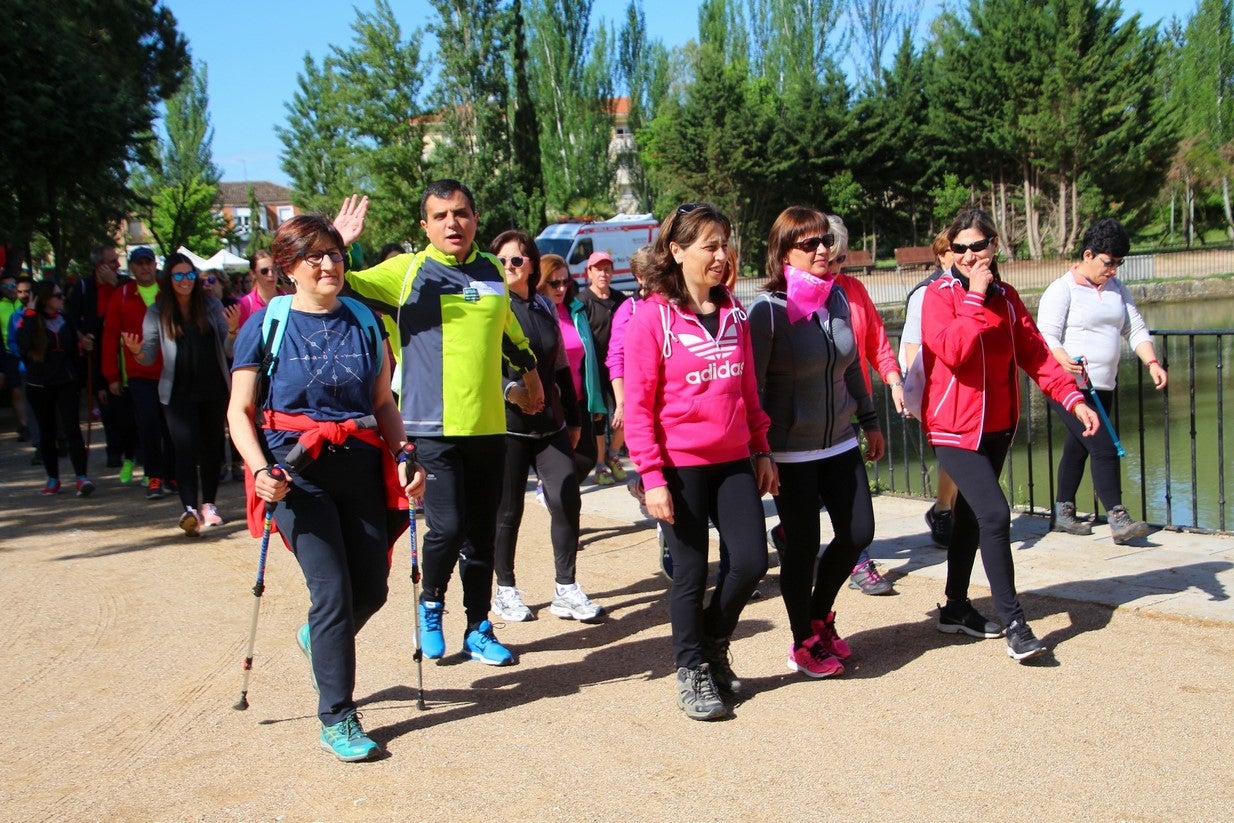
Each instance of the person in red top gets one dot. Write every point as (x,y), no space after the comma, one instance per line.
(131,384)
(698,437)
(975,333)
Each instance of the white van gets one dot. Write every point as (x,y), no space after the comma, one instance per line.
(619,236)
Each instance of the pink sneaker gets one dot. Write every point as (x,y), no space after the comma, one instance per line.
(825,631)
(812,660)
(210,515)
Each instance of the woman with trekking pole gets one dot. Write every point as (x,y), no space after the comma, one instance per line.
(976,336)
(1084,315)
(311,392)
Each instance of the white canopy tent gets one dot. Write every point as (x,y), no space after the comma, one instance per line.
(223,259)
(199,262)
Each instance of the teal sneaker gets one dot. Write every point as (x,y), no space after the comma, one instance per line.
(304,639)
(432,640)
(481,644)
(347,741)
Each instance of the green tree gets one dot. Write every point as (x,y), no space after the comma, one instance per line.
(528,173)
(259,237)
(643,66)
(875,26)
(319,151)
(176,190)
(81,81)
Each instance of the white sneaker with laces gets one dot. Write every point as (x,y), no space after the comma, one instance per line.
(509,606)
(210,515)
(571,602)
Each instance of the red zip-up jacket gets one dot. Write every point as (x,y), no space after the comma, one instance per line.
(972,344)
(125,313)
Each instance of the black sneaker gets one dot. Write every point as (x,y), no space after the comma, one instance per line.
(941,524)
(959,616)
(715,652)
(775,536)
(696,694)
(1022,644)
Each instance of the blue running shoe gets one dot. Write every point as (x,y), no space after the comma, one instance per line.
(481,644)
(432,640)
(347,741)
(304,640)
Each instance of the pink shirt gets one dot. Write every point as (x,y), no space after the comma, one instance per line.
(573,346)
(250,304)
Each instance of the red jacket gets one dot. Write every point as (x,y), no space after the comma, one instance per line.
(125,313)
(971,348)
(872,343)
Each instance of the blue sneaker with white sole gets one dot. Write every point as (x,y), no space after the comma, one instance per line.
(347,741)
(482,645)
(432,639)
(305,642)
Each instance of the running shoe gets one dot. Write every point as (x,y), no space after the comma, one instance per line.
(571,602)
(941,524)
(697,695)
(1022,644)
(614,466)
(210,515)
(481,644)
(825,631)
(190,521)
(1065,521)
(719,660)
(604,477)
(432,639)
(812,660)
(52,487)
(154,489)
(347,741)
(866,578)
(509,605)
(84,487)
(126,472)
(959,616)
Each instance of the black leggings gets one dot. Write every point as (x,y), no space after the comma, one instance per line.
(1107,479)
(554,462)
(982,517)
(196,429)
(840,484)
(49,404)
(461,498)
(727,495)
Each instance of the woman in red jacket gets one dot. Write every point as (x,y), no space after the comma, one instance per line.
(975,333)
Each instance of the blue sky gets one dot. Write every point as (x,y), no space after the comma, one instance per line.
(254,50)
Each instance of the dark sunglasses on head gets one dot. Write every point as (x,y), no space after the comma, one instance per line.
(558,284)
(810,244)
(184,275)
(514,261)
(980,245)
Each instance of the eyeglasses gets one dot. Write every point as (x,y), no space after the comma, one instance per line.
(266,269)
(980,245)
(558,284)
(1109,262)
(178,276)
(515,261)
(314,258)
(810,244)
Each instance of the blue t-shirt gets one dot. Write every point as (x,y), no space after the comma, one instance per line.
(326,367)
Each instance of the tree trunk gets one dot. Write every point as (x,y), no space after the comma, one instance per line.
(1190,216)
(1225,200)
(1173,202)
(1031,217)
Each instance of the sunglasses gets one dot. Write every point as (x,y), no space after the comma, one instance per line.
(980,245)
(810,244)
(558,284)
(515,261)
(1109,262)
(211,279)
(179,276)
(314,258)
(265,270)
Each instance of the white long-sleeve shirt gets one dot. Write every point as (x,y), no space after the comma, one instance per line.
(1087,321)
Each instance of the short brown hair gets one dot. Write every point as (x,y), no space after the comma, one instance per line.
(297,236)
(793,223)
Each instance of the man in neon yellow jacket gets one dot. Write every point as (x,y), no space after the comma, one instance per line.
(457,329)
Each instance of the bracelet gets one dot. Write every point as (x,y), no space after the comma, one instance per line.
(262,469)
(899,384)
(757,455)
(1151,363)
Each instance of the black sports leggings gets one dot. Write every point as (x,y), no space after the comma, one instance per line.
(840,484)
(727,495)
(196,428)
(982,518)
(1107,479)
(50,403)
(554,462)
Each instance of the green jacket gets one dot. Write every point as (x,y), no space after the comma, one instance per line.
(459,330)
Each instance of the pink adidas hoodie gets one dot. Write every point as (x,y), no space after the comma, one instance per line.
(691,400)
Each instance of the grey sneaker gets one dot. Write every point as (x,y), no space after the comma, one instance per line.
(1065,521)
(716,653)
(1122,528)
(1022,644)
(697,696)
(571,603)
(509,606)
(867,580)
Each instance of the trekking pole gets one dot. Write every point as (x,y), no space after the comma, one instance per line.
(259,588)
(1105,418)
(409,452)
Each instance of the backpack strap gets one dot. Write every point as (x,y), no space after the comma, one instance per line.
(273,325)
(369,321)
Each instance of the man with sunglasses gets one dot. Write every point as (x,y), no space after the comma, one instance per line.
(457,328)
(133,388)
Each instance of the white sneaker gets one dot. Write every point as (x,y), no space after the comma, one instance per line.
(190,521)
(210,515)
(508,605)
(540,494)
(571,602)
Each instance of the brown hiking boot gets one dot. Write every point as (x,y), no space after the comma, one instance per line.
(1065,521)
(1122,528)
